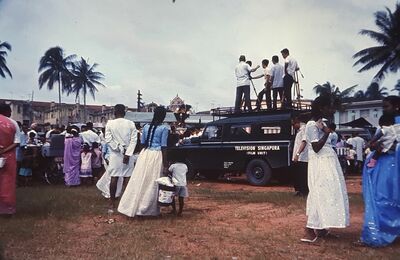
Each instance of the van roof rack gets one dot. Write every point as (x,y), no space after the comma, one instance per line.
(298,106)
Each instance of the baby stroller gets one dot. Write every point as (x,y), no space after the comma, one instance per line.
(53,153)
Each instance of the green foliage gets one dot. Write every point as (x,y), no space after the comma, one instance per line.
(387,53)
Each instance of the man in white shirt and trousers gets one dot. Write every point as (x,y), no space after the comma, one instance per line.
(358,144)
(121,137)
(290,68)
(242,72)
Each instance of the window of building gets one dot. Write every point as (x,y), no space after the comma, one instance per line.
(375,113)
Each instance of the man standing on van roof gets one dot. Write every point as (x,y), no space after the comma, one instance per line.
(242,72)
(277,73)
(290,68)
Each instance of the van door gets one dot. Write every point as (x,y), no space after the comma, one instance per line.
(209,155)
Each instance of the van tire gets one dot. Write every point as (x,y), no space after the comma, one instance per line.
(258,172)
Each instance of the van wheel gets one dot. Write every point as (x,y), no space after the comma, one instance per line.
(191,172)
(258,172)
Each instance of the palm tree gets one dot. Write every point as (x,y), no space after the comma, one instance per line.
(3,63)
(373,92)
(387,53)
(337,96)
(85,79)
(54,67)
(397,87)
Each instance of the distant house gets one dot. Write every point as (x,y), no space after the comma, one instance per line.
(370,110)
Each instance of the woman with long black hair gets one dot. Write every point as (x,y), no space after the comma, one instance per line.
(327,201)
(140,196)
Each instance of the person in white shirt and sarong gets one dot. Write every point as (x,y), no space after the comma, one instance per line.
(121,138)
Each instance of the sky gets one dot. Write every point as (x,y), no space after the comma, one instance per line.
(189,47)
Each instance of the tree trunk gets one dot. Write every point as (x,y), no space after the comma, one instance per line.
(84,104)
(59,101)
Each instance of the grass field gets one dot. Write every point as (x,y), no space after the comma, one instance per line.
(220,221)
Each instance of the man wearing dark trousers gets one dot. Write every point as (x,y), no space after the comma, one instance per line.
(300,157)
(277,72)
(242,72)
(267,86)
(291,67)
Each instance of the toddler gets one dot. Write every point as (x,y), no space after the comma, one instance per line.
(179,170)
(385,137)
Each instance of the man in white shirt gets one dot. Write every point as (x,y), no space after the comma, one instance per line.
(267,86)
(277,73)
(358,144)
(291,67)
(89,136)
(121,137)
(242,72)
(300,157)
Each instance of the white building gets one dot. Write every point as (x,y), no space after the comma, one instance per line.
(370,110)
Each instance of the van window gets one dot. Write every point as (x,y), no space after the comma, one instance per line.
(240,131)
(270,130)
(212,132)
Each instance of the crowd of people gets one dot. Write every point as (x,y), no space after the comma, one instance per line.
(278,79)
(127,161)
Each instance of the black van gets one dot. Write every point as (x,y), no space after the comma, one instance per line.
(254,143)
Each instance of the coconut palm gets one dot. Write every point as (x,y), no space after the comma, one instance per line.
(84,80)
(54,67)
(387,53)
(3,63)
(338,97)
(397,87)
(373,92)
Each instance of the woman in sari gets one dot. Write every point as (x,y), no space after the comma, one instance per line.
(9,140)
(72,157)
(140,196)
(381,191)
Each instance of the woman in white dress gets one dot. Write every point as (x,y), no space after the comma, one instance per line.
(327,201)
(140,196)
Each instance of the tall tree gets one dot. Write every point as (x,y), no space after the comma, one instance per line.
(397,87)
(54,67)
(4,47)
(387,53)
(338,97)
(373,92)
(84,80)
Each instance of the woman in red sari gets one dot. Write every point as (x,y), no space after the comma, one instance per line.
(9,171)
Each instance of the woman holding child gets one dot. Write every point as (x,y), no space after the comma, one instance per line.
(140,196)
(327,201)
(381,189)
